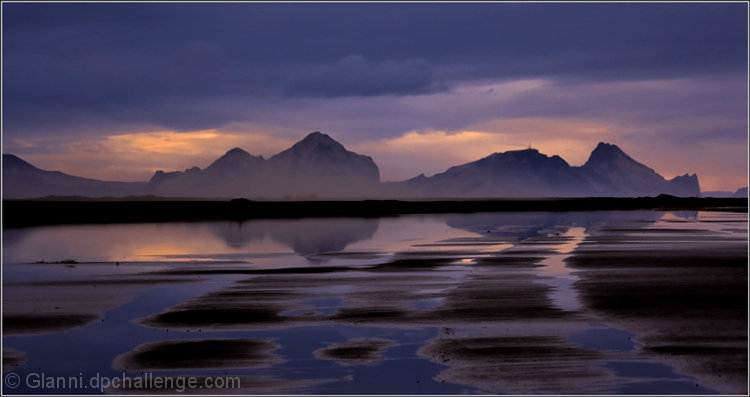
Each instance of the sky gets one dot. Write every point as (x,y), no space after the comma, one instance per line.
(116,91)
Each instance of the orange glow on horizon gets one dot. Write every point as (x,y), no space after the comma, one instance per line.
(188,143)
(136,156)
(433,151)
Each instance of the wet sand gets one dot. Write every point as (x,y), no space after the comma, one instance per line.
(685,297)
(201,354)
(39,307)
(355,351)
(523,365)
(12,358)
(566,308)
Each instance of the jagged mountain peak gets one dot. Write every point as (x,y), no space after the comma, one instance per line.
(235,157)
(610,156)
(606,146)
(319,165)
(317,147)
(606,152)
(11,161)
(236,152)
(318,157)
(317,141)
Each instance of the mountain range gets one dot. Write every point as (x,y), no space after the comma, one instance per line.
(23,180)
(320,167)
(316,165)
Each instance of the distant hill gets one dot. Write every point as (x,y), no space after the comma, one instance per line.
(235,174)
(520,173)
(609,172)
(613,173)
(316,166)
(23,180)
(717,193)
(320,167)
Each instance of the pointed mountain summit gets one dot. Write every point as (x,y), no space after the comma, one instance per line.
(609,158)
(319,165)
(234,160)
(606,153)
(611,172)
(235,174)
(320,150)
(316,142)
(315,166)
(13,163)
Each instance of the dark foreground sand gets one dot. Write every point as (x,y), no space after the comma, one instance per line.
(12,358)
(355,351)
(39,307)
(680,291)
(201,354)
(683,293)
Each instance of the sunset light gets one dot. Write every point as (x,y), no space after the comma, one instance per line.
(375,198)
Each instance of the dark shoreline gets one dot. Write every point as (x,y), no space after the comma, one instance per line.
(55,211)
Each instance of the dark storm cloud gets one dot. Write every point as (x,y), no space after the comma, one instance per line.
(354,75)
(163,64)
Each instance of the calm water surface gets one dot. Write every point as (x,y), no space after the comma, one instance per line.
(448,304)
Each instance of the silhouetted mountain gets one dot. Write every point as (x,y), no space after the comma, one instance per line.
(23,180)
(520,173)
(234,161)
(717,193)
(235,174)
(528,173)
(684,186)
(315,166)
(611,172)
(318,166)
(13,163)
(741,192)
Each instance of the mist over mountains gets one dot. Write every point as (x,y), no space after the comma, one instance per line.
(314,166)
(23,180)
(320,167)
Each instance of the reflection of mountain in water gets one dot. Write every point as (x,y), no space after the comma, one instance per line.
(304,236)
(521,226)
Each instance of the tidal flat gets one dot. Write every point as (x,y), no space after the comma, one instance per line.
(589,302)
